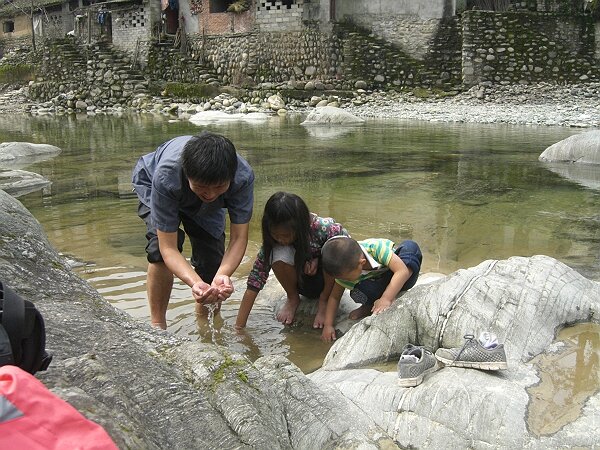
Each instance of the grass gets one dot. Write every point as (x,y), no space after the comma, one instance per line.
(13,73)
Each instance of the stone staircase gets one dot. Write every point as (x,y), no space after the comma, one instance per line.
(113,74)
(378,62)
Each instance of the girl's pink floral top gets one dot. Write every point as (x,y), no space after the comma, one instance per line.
(321,229)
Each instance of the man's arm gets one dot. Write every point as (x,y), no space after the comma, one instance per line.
(179,266)
(238,241)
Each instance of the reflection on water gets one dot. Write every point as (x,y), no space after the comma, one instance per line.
(465,192)
(569,376)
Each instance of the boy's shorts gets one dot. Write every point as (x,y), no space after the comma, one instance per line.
(370,290)
(207,252)
(310,286)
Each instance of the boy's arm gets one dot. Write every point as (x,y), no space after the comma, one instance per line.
(399,278)
(329,281)
(333,303)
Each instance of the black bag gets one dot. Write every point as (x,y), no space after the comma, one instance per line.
(22,333)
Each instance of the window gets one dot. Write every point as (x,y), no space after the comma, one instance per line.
(8,26)
(221,6)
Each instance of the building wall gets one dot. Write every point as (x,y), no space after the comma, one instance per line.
(409,24)
(224,23)
(131,27)
(425,9)
(22,27)
(273,15)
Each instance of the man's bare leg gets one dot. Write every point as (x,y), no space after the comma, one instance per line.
(288,279)
(159,283)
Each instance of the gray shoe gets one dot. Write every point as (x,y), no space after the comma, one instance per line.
(473,355)
(415,362)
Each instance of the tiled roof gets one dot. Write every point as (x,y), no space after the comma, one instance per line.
(16,7)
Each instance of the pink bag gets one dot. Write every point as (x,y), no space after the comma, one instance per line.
(32,417)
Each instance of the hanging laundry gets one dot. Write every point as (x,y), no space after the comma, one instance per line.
(102,16)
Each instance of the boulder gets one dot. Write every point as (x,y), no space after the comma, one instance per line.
(21,182)
(583,148)
(204,117)
(20,154)
(154,390)
(524,301)
(330,115)
(586,175)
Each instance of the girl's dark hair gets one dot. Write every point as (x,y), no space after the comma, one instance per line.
(290,211)
(209,158)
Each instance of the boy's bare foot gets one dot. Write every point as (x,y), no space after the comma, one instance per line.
(288,311)
(360,312)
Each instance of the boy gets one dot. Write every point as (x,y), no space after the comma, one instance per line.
(375,271)
(191,180)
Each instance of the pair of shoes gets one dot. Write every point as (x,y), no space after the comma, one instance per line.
(415,362)
(484,353)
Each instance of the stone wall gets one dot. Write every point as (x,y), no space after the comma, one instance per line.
(8,45)
(275,57)
(523,47)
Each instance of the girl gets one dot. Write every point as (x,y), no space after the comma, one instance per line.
(292,240)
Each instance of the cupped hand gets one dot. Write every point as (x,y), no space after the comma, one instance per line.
(204,293)
(224,287)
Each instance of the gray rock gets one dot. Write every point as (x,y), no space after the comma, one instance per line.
(21,154)
(524,301)
(581,148)
(329,115)
(153,390)
(20,182)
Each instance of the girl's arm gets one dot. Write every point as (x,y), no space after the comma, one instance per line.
(245,308)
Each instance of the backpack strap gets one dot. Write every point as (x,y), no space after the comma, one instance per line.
(13,320)
(6,354)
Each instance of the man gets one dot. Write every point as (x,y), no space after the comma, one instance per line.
(191,180)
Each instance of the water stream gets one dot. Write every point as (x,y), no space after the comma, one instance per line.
(465,192)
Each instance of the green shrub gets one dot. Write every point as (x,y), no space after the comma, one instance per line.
(12,73)
(190,90)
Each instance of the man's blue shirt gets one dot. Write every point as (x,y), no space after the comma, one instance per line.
(160,184)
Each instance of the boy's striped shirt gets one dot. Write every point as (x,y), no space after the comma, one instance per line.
(378,253)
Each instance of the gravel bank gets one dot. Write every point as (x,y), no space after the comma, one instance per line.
(540,104)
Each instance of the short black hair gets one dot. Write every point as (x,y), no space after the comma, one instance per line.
(340,255)
(209,158)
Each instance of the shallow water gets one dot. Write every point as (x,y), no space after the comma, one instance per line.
(569,376)
(464,192)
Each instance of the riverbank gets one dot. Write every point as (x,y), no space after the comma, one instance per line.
(541,104)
